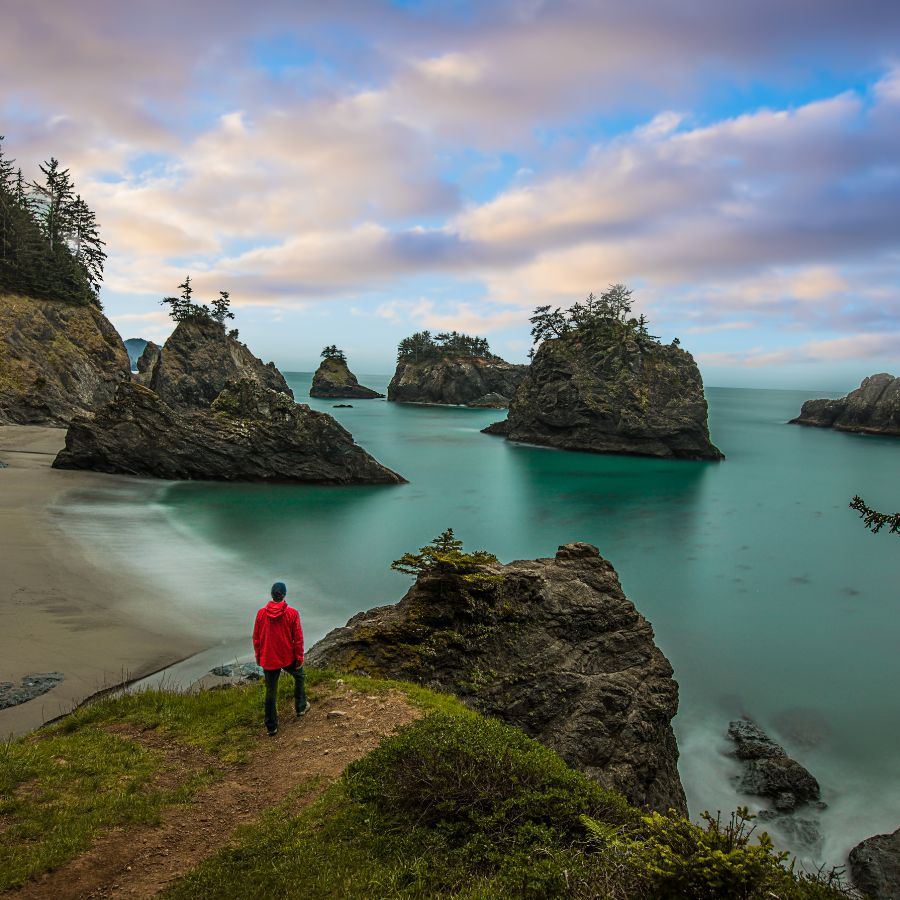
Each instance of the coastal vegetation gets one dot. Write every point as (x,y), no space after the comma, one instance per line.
(332,352)
(445,558)
(874,520)
(455,804)
(183,308)
(446,345)
(50,246)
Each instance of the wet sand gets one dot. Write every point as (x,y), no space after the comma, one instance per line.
(59,611)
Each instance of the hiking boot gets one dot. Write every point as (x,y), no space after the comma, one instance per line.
(272,731)
(302,710)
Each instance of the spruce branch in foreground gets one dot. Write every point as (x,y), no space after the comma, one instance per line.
(874,520)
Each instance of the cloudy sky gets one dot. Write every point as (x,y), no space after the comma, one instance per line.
(355,170)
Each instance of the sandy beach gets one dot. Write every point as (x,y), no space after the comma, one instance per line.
(60,611)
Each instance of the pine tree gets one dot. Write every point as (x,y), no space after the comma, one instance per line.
(85,244)
(53,202)
(221,308)
(445,557)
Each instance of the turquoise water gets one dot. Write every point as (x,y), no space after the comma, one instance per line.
(764,590)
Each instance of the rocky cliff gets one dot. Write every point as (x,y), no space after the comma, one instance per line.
(554,647)
(333,378)
(249,433)
(199,359)
(873,408)
(57,360)
(628,397)
(456,380)
(146,362)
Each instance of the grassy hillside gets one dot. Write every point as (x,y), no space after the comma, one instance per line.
(453,804)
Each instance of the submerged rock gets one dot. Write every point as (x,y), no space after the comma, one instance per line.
(199,359)
(554,647)
(628,397)
(768,770)
(456,380)
(333,378)
(873,408)
(250,433)
(57,360)
(31,686)
(875,866)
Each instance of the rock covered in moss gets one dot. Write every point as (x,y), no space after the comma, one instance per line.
(628,397)
(57,360)
(333,378)
(873,408)
(199,359)
(455,380)
(249,433)
(554,647)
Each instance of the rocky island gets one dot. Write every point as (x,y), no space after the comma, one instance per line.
(250,433)
(57,360)
(204,407)
(552,646)
(333,379)
(453,369)
(873,408)
(599,382)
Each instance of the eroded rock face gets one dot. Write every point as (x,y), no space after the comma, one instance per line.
(250,433)
(554,648)
(146,362)
(873,408)
(459,381)
(875,866)
(333,378)
(199,359)
(636,399)
(56,360)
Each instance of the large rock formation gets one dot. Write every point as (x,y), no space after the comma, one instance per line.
(873,408)
(57,360)
(250,433)
(199,359)
(553,647)
(628,397)
(456,380)
(146,362)
(875,866)
(333,378)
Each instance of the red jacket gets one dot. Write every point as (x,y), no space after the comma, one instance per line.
(278,636)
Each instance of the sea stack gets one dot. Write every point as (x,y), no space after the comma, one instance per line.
(57,360)
(199,359)
(334,380)
(249,433)
(552,646)
(600,383)
(873,408)
(452,369)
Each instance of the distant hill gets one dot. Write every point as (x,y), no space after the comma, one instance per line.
(135,347)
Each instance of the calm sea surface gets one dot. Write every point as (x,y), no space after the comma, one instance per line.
(764,590)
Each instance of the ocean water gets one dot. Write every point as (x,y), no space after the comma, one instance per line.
(764,590)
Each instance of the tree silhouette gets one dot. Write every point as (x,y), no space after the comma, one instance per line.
(874,520)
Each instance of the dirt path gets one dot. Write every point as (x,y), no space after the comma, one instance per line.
(343,725)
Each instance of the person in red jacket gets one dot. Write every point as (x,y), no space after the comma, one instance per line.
(278,644)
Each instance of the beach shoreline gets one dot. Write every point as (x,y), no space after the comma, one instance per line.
(62,611)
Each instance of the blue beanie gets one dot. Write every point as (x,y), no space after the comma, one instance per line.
(278,590)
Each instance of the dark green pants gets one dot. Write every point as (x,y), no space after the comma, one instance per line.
(272,676)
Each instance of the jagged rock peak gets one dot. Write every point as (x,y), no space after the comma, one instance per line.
(456,380)
(875,866)
(873,408)
(57,360)
(199,359)
(627,397)
(333,378)
(552,646)
(249,433)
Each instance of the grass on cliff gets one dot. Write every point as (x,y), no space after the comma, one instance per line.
(459,805)
(453,805)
